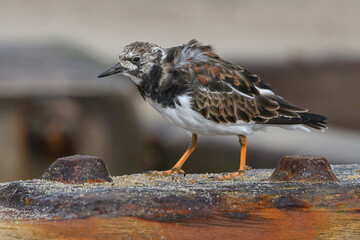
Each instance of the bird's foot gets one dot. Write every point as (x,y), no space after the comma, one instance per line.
(231,175)
(169,172)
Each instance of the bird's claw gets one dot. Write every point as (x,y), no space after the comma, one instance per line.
(169,172)
(231,175)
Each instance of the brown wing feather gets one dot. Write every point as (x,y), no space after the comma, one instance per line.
(223,96)
(229,107)
(224,92)
(222,108)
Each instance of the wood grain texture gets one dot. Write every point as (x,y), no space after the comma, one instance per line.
(272,223)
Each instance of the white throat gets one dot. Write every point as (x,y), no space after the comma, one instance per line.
(136,80)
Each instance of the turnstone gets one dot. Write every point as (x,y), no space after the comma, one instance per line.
(195,89)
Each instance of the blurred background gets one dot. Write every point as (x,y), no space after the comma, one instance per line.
(52,105)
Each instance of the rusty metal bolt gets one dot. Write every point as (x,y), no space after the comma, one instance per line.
(78,169)
(304,168)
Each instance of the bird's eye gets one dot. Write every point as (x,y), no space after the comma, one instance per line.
(135,59)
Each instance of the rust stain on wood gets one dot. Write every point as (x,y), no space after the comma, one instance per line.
(303,168)
(78,169)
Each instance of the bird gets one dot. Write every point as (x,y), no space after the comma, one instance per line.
(194,88)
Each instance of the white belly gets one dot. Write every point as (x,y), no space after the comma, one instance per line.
(183,116)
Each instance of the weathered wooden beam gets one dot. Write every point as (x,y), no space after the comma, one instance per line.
(193,201)
(172,198)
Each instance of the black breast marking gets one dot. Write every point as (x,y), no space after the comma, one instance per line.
(165,97)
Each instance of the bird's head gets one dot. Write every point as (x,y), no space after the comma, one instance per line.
(136,61)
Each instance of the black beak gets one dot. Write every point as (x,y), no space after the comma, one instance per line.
(114,70)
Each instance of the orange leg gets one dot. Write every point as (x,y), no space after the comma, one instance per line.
(241,171)
(176,169)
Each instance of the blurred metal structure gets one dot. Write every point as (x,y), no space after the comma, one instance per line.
(52,105)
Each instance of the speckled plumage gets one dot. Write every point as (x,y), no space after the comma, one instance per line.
(219,90)
(192,87)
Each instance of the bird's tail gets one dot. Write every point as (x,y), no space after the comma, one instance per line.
(314,120)
(309,119)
